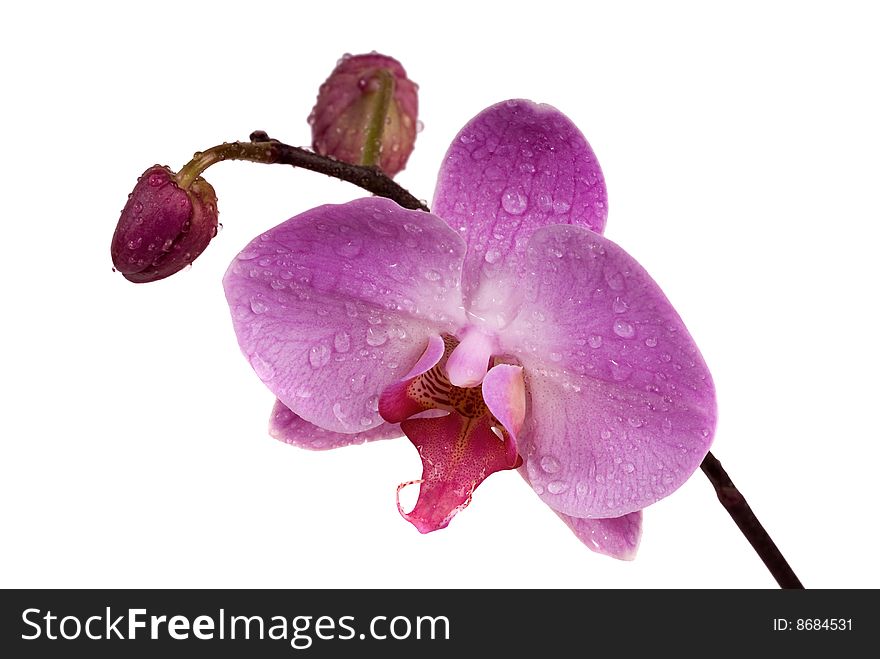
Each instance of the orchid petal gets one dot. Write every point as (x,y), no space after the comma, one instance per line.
(617,537)
(621,404)
(515,167)
(287,427)
(457,454)
(336,304)
(504,393)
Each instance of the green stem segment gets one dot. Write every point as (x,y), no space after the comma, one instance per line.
(381,102)
(252,151)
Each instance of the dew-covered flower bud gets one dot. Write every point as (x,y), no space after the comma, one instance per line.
(366,113)
(163,227)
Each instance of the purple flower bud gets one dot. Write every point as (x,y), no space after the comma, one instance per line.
(348,103)
(163,227)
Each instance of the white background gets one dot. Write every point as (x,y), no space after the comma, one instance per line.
(740,148)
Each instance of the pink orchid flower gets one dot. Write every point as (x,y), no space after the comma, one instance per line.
(500,331)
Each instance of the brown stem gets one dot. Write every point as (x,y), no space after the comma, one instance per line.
(735,504)
(370,179)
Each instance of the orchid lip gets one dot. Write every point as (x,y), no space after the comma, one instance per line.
(474,434)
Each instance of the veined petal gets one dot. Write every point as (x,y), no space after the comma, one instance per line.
(458,453)
(515,167)
(617,537)
(335,304)
(621,404)
(287,427)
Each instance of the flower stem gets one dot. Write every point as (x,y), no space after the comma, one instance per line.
(378,118)
(264,149)
(371,179)
(252,151)
(735,504)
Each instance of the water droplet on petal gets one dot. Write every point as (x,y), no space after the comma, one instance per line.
(623,329)
(555,357)
(550,464)
(615,280)
(349,248)
(595,341)
(492,255)
(514,201)
(628,467)
(557,487)
(319,355)
(373,403)
(619,305)
(560,206)
(258,306)
(262,368)
(620,371)
(651,342)
(432,275)
(342,341)
(376,336)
